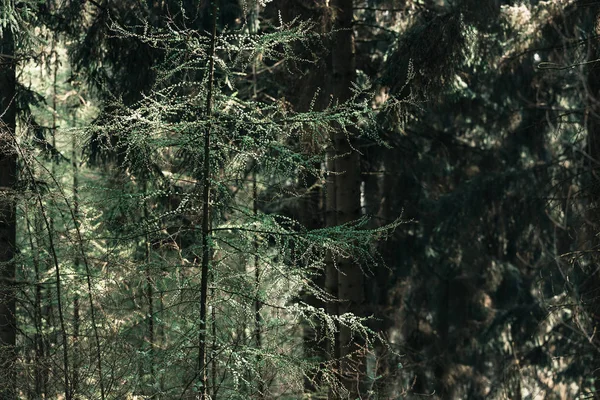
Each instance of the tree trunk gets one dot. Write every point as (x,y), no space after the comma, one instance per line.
(8,177)
(76,266)
(206,185)
(39,369)
(350,285)
(331,272)
(149,298)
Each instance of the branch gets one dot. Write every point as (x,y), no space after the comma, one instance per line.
(380,9)
(558,67)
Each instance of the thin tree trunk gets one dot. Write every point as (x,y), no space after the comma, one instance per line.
(76,344)
(254,23)
(331,272)
(41,369)
(75,364)
(150,325)
(48,319)
(206,185)
(149,298)
(161,336)
(8,178)
(38,342)
(213,318)
(76,266)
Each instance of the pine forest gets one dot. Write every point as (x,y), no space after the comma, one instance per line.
(299,199)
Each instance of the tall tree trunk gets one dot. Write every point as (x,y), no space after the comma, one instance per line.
(76,267)
(254,22)
(149,296)
(205,231)
(350,288)
(8,178)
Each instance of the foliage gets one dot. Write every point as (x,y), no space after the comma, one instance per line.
(128,242)
(475,121)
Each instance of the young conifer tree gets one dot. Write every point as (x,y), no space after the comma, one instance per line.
(214,156)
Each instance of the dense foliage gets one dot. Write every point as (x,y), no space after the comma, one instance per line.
(299,199)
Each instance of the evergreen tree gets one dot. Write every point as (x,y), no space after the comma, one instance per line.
(162,137)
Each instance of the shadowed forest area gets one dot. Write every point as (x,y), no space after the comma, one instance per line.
(299,199)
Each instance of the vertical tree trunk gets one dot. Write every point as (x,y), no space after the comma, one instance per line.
(254,22)
(8,172)
(76,266)
(161,338)
(347,194)
(149,297)
(39,370)
(205,232)
(331,272)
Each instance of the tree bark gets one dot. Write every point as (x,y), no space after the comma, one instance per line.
(76,267)
(205,232)
(8,178)
(350,278)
